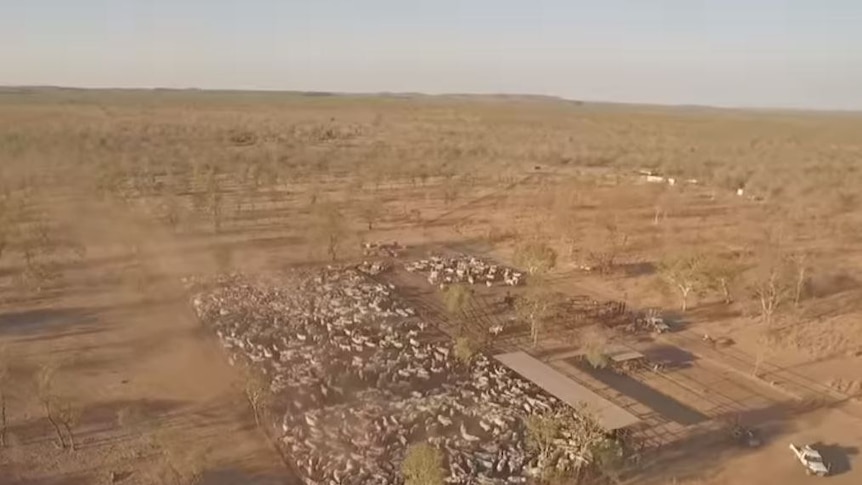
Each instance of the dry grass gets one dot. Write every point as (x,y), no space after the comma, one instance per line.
(134,189)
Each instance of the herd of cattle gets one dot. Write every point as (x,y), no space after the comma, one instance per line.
(357,377)
(464,269)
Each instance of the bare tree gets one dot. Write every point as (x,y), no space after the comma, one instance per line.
(39,251)
(215,205)
(68,413)
(5,227)
(4,385)
(571,234)
(180,465)
(423,465)
(771,286)
(721,274)
(370,211)
(799,259)
(331,228)
(258,394)
(584,438)
(45,392)
(684,274)
(604,255)
(767,344)
(565,221)
(536,306)
(171,211)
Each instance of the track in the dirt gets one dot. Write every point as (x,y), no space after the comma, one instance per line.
(787,381)
(481,199)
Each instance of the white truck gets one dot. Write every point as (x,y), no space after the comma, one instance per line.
(811,460)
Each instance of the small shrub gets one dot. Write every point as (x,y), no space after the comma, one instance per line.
(464,349)
(423,465)
(242,138)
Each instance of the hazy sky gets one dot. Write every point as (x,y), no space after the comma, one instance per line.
(786,53)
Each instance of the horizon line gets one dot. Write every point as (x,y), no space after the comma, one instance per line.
(405,94)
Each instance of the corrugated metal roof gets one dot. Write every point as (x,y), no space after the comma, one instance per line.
(622,354)
(609,415)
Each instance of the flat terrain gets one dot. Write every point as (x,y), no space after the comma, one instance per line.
(108,199)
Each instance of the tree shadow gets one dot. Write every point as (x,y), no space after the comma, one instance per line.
(666,406)
(711,311)
(700,455)
(233,476)
(98,419)
(676,319)
(693,458)
(66,479)
(824,285)
(767,422)
(632,270)
(31,323)
(669,355)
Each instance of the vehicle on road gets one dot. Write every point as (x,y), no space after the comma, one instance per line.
(811,460)
(745,436)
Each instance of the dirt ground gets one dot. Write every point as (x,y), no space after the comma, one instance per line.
(123,194)
(829,430)
(153,388)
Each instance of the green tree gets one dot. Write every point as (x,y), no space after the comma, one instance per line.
(542,433)
(464,349)
(608,455)
(457,300)
(535,257)
(595,345)
(423,465)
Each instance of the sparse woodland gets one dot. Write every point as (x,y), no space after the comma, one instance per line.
(154,186)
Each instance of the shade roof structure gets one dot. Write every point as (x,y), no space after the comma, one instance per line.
(622,354)
(607,414)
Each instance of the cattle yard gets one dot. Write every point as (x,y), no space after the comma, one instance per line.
(367,348)
(693,391)
(357,376)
